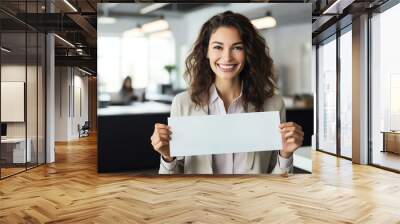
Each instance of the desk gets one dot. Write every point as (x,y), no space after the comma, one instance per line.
(13,150)
(124,136)
(161,98)
(391,141)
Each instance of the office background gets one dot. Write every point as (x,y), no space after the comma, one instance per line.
(357,88)
(22,107)
(39,108)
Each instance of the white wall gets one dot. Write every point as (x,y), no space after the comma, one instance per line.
(61,103)
(12,73)
(33,126)
(70,83)
(290,48)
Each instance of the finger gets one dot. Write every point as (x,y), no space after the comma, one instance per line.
(288,128)
(297,132)
(154,143)
(298,127)
(297,142)
(287,124)
(164,131)
(159,125)
(292,128)
(289,134)
(293,135)
(152,137)
(291,140)
(290,124)
(156,138)
(165,136)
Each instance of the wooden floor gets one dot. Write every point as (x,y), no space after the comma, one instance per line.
(387,159)
(10,171)
(71,191)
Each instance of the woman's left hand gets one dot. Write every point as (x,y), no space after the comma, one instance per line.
(292,138)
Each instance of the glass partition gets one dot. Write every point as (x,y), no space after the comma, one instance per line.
(13,109)
(385,89)
(327,96)
(22,91)
(346,94)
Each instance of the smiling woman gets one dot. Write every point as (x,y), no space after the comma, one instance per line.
(229,71)
(233,36)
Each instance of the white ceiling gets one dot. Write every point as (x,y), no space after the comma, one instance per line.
(285,13)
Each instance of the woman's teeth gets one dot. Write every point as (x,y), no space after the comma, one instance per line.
(226,68)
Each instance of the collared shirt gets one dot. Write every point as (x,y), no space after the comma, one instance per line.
(230,163)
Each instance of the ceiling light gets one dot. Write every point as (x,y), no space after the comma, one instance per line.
(162,34)
(70,5)
(106,20)
(158,25)
(264,23)
(64,40)
(5,50)
(337,7)
(84,71)
(135,32)
(152,7)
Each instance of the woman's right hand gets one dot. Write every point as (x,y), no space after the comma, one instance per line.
(160,141)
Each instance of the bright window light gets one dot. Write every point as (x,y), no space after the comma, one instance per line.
(106,20)
(135,32)
(64,40)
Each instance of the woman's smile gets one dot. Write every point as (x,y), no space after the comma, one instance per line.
(226,53)
(224,67)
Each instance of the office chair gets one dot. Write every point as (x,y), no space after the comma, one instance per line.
(84,130)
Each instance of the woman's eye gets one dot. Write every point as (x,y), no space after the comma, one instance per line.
(217,47)
(238,48)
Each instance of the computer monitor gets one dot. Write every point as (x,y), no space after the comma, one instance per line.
(3,129)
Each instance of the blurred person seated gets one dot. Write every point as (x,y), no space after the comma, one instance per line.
(125,94)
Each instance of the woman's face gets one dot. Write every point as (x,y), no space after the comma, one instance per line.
(226,53)
(127,83)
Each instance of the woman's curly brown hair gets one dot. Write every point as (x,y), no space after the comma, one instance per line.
(257,76)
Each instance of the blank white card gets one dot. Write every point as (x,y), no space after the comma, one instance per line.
(217,134)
